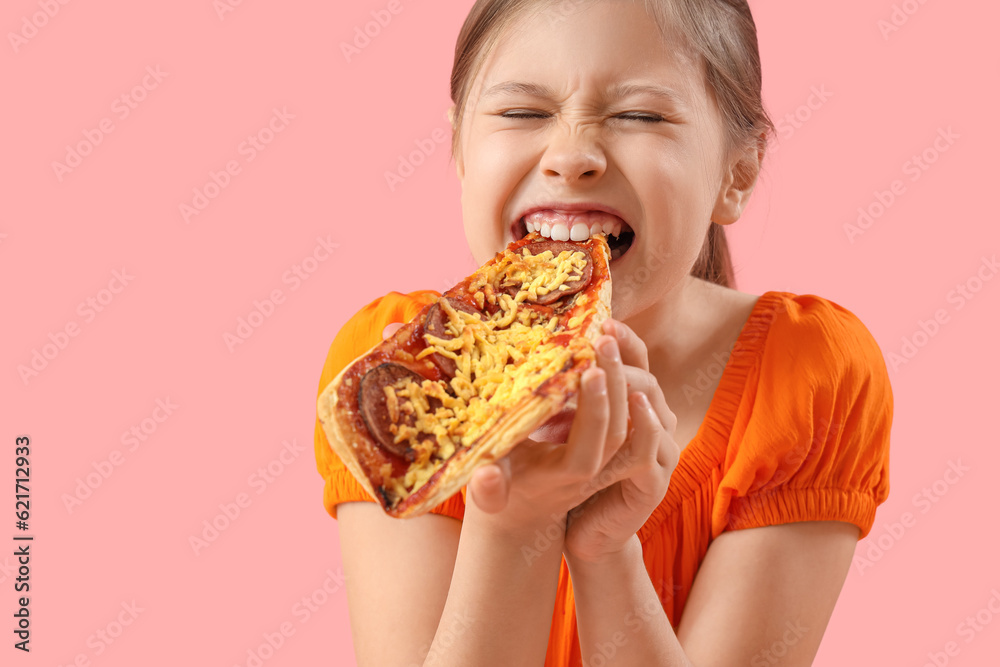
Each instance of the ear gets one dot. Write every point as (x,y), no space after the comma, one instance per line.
(738,183)
(459,167)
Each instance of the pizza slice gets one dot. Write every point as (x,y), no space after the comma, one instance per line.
(472,375)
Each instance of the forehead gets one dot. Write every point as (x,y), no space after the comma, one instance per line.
(592,44)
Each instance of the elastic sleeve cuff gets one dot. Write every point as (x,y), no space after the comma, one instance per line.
(785,505)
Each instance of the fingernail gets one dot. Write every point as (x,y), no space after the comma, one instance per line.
(609,348)
(597,382)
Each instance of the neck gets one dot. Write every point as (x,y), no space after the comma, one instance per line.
(672,327)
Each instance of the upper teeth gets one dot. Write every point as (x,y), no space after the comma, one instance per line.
(577,226)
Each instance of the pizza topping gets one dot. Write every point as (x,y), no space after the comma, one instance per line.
(388,419)
(554,270)
(443,322)
(489,360)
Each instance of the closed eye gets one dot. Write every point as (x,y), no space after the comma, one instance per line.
(522,114)
(642,118)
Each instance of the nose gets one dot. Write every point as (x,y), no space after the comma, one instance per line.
(573,155)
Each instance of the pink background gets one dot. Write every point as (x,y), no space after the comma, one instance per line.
(322,176)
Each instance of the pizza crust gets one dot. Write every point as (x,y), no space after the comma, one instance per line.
(515,424)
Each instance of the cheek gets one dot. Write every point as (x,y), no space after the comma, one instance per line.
(503,157)
(495,167)
(668,178)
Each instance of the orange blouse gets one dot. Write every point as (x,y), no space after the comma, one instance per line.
(797,430)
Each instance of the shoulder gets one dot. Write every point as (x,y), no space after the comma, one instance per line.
(810,438)
(816,341)
(363,330)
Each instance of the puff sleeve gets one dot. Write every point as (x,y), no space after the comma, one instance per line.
(357,336)
(811,436)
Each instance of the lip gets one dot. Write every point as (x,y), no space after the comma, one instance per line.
(565,207)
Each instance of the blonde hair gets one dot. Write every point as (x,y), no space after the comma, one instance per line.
(722,32)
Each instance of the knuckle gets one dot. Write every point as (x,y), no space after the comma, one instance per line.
(617,436)
(671,424)
(653,453)
(587,474)
(672,454)
(584,470)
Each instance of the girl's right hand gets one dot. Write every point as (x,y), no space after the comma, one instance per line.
(538,481)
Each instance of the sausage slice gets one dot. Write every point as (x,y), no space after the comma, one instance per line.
(435,323)
(573,286)
(375,412)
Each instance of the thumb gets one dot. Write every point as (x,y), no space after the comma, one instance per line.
(391,329)
(490,486)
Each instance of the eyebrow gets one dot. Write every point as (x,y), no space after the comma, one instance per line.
(619,91)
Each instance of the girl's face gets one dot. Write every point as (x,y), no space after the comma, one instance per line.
(585,105)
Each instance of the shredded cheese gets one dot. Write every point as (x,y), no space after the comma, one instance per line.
(499,360)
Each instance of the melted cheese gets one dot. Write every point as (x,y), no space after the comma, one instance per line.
(499,360)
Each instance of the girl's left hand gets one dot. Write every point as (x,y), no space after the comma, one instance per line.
(635,481)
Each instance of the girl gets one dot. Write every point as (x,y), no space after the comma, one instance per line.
(719,528)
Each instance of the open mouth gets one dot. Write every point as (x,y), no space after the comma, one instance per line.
(577,226)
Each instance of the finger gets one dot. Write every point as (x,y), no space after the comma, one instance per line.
(584,453)
(609,359)
(646,383)
(391,329)
(648,453)
(490,486)
(632,348)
